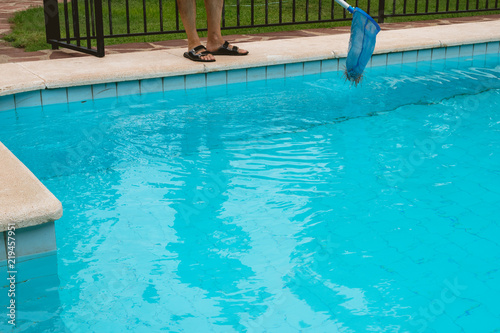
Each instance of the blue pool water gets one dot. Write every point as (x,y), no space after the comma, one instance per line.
(292,205)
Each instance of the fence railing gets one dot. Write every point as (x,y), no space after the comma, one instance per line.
(83,25)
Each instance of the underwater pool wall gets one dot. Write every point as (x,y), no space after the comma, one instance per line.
(42,83)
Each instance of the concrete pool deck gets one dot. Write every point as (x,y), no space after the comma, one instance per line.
(11,54)
(29,203)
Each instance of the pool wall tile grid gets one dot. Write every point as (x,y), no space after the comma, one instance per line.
(28,99)
(196,81)
(256,74)
(3,250)
(466,50)
(7,102)
(330,65)
(54,96)
(155,85)
(105,90)
(174,83)
(151,86)
(237,76)
(439,54)
(128,88)
(410,57)
(294,69)
(275,72)
(312,67)
(342,64)
(216,78)
(493,47)
(379,60)
(395,58)
(424,55)
(453,52)
(79,94)
(479,49)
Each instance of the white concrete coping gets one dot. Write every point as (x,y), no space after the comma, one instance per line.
(49,74)
(24,200)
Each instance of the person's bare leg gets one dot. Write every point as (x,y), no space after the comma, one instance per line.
(187,9)
(214,35)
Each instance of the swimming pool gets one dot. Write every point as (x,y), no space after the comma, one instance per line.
(295,204)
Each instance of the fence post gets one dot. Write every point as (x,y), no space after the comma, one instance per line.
(381,11)
(99,28)
(52,29)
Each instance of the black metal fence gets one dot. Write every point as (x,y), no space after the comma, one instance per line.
(84,24)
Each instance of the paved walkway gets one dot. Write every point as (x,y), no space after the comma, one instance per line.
(11,54)
(7,8)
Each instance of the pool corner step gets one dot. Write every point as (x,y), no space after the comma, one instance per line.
(27,210)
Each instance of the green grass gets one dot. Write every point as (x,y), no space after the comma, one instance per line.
(29,27)
(29,30)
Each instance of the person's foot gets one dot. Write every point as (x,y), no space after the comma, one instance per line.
(199,53)
(224,48)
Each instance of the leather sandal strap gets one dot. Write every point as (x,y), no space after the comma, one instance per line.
(198,55)
(226,46)
(196,49)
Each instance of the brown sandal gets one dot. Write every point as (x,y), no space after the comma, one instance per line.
(225,50)
(195,56)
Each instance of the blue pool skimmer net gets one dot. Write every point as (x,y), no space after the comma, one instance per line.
(364,32)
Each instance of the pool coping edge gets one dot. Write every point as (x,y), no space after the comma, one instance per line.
(26,77)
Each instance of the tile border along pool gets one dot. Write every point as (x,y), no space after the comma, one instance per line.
(46,82)
(38,83)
